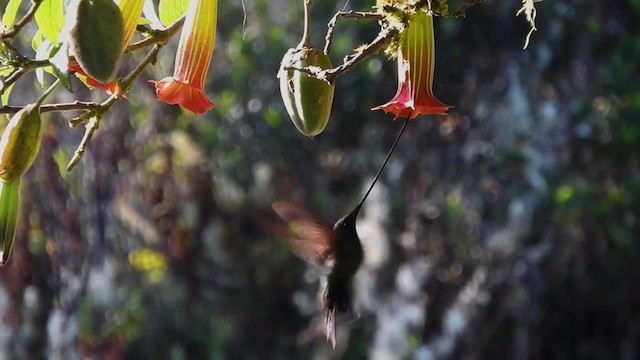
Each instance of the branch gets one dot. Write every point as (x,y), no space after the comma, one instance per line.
(27,65)
(151,57)
(76,105)
(157,36)
(21,70)
(92,126)
(35,4)
(347,15)
(94,115)
(529,10)
(11,79)
(385,36)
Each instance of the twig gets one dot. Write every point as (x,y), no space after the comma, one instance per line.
(27,65)
(11,79)
(385,36)
(94,115)
(91,128)
(46,93)
(76,105)
(358,15)
(157,36)
(35,4)
(125,84)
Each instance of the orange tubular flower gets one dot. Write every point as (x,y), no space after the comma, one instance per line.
(131,10)
(416,63)
(195,48)
(111,88)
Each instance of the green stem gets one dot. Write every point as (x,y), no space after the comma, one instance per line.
(9,202)
(306,35)
(47,93)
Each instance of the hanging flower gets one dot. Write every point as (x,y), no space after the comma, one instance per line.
(111,88)
(416,63)
(195,48)
(131,10)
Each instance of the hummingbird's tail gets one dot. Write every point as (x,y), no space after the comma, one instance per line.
(336,299)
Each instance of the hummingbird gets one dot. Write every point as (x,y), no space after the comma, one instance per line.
(336,247)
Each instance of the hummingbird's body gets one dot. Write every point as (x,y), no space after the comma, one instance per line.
(347,259)
(336,248)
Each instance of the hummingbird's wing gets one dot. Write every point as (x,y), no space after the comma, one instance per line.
(311,237)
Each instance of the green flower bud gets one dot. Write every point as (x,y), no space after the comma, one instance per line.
(308,100)
(96,38)
(20,143)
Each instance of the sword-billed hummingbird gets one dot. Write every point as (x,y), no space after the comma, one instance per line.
(337,248)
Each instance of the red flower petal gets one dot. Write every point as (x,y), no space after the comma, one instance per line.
(416,58)
(110,88)
(174,92)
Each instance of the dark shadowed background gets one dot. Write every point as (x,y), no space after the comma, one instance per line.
(508,229)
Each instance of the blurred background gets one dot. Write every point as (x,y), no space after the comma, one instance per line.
(508,229)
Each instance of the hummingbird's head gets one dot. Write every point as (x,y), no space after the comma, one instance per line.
(347,247)
(348,222)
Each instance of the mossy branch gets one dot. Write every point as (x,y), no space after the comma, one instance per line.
(392,20)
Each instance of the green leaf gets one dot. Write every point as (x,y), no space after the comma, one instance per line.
(59,58)
(171,10)
(37,40)
(50,19)
(10,12)
(60,61)
(9,202)
(42,53)
(4,99)
(151,15)
(61,158)
(6,70)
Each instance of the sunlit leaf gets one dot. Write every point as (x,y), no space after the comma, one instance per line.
(50,19)
(61,158)
(42,53)
(5,70)
(151,15)
(4,99)
(59,58)
(171,10)
(37,40)
(9,202)
(60,62)
(10,12)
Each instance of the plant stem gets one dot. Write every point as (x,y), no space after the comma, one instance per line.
(306,34)
(35,4)
(47,92)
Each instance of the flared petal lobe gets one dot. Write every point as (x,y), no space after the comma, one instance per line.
(189,97)
(195,48)
(416,65)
